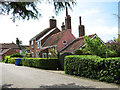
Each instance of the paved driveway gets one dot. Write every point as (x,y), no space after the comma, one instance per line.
(26,77)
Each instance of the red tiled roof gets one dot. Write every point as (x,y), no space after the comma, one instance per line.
(41,34)
(4,51)
(8,45)
(53,40)
(79,42)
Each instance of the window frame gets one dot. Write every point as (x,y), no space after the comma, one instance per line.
(65,42)
(44,54)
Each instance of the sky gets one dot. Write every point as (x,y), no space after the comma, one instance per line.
(97,17)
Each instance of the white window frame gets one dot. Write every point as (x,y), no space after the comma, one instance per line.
(44,55)
(49,55)
(64,43)
(38,45)
(32,43)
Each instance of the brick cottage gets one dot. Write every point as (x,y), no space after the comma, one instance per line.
(59,40)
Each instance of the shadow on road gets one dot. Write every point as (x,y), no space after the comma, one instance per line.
(70,86)
(7,85)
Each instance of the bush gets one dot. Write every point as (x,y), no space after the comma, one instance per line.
(94,67)
(12,60)
(16,55)
(112,53)
(42,63)
(7,59)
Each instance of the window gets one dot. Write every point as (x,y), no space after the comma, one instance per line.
(44,55)
(32,54)
(32,43)
(37,54)
(64,42)
(38,45)
(49,55)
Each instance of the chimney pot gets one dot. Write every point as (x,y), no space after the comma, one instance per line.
(67,20)
(63,26)
(80,20)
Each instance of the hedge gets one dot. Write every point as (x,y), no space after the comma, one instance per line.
(94,67)
(16,55)
(43,63)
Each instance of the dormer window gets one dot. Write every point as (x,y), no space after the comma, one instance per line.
(64,42)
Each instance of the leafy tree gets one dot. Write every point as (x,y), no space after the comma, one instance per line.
(94,47)
(114,46)
(27,10)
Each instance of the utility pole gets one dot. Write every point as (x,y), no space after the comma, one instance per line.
(119,21)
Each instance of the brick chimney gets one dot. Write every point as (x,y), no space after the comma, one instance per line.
(63,26)
(81,28)
(52,22)
(67,20)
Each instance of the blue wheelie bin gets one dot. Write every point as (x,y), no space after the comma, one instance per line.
(18,60)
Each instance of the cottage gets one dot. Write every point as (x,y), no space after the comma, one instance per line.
(8,49)
(60,41)
(11,48)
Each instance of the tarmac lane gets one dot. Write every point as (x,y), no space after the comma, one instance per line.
(26,77)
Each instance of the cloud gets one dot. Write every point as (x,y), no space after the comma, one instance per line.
(104,32)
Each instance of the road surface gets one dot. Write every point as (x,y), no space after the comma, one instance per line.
(25,77)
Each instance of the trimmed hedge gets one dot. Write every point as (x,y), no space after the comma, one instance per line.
(94,67)
(42,63)
(16,55)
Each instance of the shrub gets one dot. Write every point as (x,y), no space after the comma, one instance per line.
(7,59)
(104,69)
(42,63)
(16,55)
(12,60)
(114,45)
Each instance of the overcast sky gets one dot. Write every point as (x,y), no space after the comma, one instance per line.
(98,17)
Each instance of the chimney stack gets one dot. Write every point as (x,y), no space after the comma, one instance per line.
(67,20)
(52,22)
(63,26)
(81,28)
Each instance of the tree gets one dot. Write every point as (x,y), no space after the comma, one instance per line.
(27,10)
(114,46)
(94,47)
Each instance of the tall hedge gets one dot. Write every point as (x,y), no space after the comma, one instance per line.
(42,63)
(103,69)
